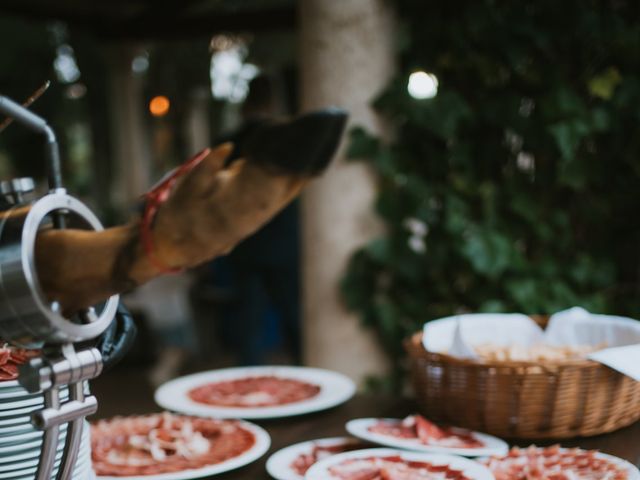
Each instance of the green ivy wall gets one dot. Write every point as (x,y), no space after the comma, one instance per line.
(517,187)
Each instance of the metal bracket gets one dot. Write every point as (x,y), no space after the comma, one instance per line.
(61,365)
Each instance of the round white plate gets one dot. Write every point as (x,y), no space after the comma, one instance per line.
(21,403)
(279,464)
(259,448)
(23,456)
(19,447)
(7,384)
(18,412)
(472,470)
(18,419)
(82,463)
(30,458)
(19,437)
(335,389)
(28,462)
(632,471)
(360,428)
(21,394)
(6,430)
(83,472)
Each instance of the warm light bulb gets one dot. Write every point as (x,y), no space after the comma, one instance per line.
(159,106)
(422,85)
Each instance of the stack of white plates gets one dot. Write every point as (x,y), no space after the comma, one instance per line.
(20,442)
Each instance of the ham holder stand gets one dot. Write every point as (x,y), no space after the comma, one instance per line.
(28,319)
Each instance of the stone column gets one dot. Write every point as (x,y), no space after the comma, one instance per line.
(130,138)
(347,58)
(197,128)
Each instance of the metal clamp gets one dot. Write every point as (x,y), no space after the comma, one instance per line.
(26,316)
(59,366)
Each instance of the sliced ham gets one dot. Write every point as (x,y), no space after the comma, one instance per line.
(10,358)
(164,443)
(418,428)
(554,463)
(250,392)
(392,468)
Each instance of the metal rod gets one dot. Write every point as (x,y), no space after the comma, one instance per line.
(40,125)
(49,438)
(27,103)
(74,434)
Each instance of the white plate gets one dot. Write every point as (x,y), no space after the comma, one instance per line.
(6,430)
(471,469)
(7,384)
(335,389)
(22,403)
(21,394)
(84,472)
(632,471)
(360,428)
(18,412)
(35,400)
(28,462)
(279,464)
(20,446)
(24,456)
(30,458)
(6,440)
(17,419)
(259,448)
(82,463)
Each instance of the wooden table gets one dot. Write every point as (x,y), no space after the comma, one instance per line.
(128,394)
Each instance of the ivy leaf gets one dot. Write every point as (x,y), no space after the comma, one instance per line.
(488,251)
(443,114)
(457,215)
(492,306)
(524,291)
(604,84)
(362,144)
(568,136)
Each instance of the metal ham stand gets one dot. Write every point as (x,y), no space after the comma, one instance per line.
(28,319)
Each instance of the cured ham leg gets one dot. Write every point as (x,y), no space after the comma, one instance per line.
(209,210)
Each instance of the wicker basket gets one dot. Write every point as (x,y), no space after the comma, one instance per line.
(522,400)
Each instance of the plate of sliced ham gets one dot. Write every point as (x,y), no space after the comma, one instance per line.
(559,463)
(10,359)
(417,433)
(166,446)
(388,463)
(292,462)
(255,392)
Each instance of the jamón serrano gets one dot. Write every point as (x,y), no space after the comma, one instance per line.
(258,391)
(164,443)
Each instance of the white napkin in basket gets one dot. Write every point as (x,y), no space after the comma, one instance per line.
(620,336)
(457,335)
(576,326)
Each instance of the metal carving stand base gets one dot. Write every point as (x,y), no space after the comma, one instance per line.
(29,319)
(60,366)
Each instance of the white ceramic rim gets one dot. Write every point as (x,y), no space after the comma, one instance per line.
(359,428)
(473,470)
(335,388)
(259,448)
(279,463)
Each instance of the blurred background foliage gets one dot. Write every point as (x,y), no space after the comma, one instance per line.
(516,188)
(86,70)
